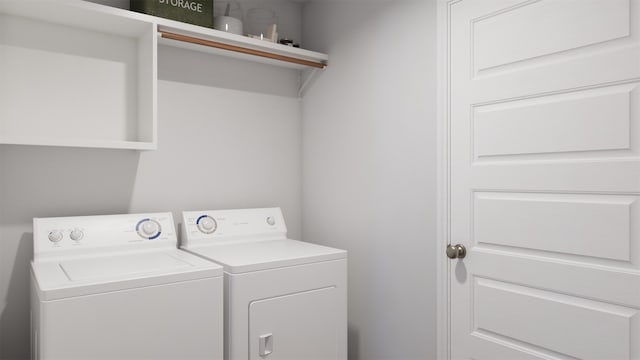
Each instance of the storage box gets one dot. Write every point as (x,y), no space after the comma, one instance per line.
(197,12)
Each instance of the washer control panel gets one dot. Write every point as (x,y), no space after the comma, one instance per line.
(237,224)
(61,234)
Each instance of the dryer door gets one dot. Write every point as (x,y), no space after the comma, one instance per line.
(296,326)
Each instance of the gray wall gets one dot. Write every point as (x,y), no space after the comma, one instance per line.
(369,182)
(230,136)
(220,146)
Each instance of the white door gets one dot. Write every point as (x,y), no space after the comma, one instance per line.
(544,114)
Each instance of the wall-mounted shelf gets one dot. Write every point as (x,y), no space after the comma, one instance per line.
(80,74)
(77,142)
(164,34)
(197,38)
(76,74)
(201,39)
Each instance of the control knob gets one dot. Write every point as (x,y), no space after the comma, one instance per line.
(148,229)
(206,224)
(76,235)
(55,236)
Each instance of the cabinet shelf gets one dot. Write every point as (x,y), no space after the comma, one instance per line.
(76,74)
(77,142)
(81,74)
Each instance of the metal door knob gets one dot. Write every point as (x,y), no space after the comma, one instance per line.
(457,251)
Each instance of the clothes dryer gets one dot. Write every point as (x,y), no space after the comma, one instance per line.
(117,287)
(284,299)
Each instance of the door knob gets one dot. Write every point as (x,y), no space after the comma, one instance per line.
(457,251)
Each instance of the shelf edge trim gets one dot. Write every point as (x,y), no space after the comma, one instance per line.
(219,45)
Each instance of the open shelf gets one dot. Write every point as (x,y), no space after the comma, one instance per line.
(80,74)
(197,38)
(77,142)
(76,75)
(211,41)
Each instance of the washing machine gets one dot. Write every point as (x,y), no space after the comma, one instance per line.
(284,299)
(117,287)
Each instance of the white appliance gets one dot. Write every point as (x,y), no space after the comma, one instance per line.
(117,287)
(284,299)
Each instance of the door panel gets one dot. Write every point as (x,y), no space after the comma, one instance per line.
(553,321)
(544,114)
(498,37)
(590,225)
(588,120)
(296,326)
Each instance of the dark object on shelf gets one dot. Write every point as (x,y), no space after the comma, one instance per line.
(197,12)
(288,42)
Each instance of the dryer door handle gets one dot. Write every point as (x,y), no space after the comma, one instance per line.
(266,344)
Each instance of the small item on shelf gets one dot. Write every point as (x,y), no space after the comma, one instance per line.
(260,20)
(289,42)
(197,12)
(271,36)
(260,37)
(272,33)
(228,24)
(231,21)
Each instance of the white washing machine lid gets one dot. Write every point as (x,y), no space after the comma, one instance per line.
(68,277)
(247,256)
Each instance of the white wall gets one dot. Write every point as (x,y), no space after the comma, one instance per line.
(369,182)
(220,146)
(230,136)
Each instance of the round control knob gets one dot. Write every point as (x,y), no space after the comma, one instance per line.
(148,229)
(76,235)
(207,224)
(271,221)
(55,236)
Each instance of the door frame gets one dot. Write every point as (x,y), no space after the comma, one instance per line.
(444,164)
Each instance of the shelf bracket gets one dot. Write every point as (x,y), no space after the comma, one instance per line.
(307,77)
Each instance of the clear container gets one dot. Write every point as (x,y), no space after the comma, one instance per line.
(235,9)
(259,19)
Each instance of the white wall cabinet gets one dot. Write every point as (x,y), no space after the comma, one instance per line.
(76,74)
(80,74)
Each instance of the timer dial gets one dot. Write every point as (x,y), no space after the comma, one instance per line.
(148,229)
(206,224)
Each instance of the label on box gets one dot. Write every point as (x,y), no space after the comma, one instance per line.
(197,12)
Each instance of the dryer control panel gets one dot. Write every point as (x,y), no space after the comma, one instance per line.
(232,225)
(70,235)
